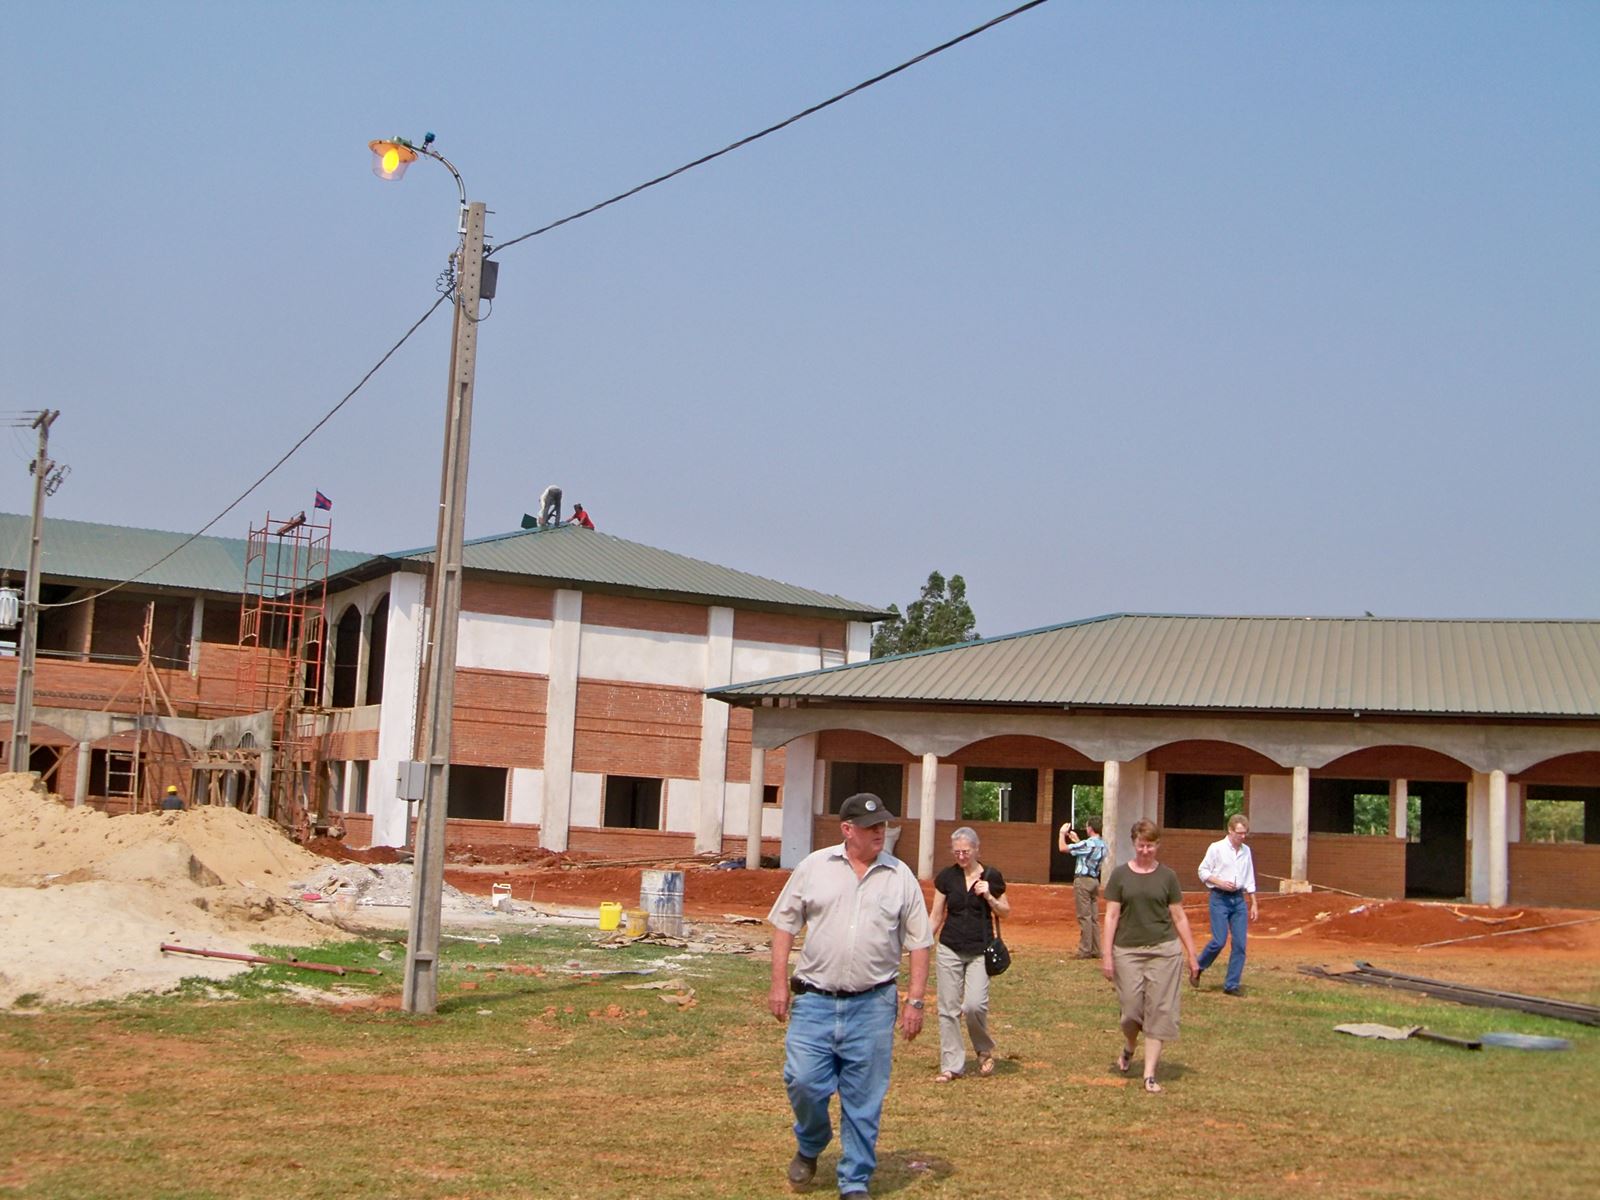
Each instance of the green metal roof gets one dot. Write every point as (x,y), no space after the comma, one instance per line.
(570,555)
(1249,664)
(90,553)
(94,554)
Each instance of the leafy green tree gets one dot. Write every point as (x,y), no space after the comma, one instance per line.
(980,801)
(941,616)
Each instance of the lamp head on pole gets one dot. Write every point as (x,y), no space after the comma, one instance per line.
(391,157)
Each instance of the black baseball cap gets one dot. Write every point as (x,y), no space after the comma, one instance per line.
(864,810)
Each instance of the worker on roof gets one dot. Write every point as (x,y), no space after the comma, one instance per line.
(550,507)
(579,517)
(172,800)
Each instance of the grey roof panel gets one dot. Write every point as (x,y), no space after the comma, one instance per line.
(571,554)
(1287,664)
(99,554)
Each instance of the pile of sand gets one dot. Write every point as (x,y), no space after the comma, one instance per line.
(86,900)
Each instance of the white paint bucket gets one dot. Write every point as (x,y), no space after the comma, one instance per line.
(661,898)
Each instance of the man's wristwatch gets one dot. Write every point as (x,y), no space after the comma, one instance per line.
(917,1004)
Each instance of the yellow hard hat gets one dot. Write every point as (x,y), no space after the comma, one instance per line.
(172,789)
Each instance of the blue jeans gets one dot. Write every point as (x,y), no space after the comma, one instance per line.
(843,1046)
(1230,916)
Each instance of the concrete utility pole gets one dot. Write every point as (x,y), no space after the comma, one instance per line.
(27,650)
(422,943)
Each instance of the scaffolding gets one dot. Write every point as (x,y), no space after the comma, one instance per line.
(282,635)
(136,773)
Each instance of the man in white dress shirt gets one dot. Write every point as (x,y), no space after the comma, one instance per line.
(1229,874)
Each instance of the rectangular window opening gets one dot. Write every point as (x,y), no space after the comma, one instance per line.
(632,802)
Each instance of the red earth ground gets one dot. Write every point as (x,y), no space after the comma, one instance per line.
(1319,927)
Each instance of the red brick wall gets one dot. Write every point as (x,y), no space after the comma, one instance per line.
(637,729)
(738,764)
(631,843)
(736,846)
(631,612)
(1397,762)
(499,718)
(1021,850)
(358,829)
(1367,866)
(1573,770)
(351,747)
(507,599)
(1211,758)
(1563,874)
(785,630)
(845,745)
(1014,751)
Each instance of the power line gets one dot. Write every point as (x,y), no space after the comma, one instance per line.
(328,416)
(754,137)
(593,208)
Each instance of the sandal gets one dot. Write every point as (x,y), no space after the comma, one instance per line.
(1150,1084)
(986,1065)
(1124,1060)
(946,1076)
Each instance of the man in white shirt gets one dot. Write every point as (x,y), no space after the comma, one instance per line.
(1229,873)
(861,909)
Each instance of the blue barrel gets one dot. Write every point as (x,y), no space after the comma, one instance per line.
(661,898)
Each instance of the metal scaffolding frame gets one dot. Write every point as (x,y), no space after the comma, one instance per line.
(282,642)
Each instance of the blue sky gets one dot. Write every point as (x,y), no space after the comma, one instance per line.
(1221,308)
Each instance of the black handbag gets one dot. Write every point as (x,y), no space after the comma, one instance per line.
(996,958)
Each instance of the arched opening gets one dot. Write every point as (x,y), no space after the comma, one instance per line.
(1029,786)
(346,654)
(377,643)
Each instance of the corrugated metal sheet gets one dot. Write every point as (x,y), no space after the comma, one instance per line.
(569,554)
(94,553)
(1287,664)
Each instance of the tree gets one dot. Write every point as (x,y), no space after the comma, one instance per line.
(940,617)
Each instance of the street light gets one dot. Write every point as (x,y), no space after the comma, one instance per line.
(391,156)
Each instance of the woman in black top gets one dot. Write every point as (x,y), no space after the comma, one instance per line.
(964,896)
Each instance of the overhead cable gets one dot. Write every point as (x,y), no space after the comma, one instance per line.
(745,141)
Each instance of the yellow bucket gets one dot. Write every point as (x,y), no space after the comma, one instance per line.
(610,915)
(636,923)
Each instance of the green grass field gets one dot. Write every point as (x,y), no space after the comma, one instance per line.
(550,1085)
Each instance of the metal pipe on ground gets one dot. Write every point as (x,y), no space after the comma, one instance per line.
(330,968)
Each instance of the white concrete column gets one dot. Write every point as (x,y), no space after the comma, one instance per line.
(714,715)
(801,773)
(1299,825)
(363,659)
(197,620)
(80,785)
(1478,838)
(929,815)
(1110,816)
(397,715)
(753,810)
(264,784)
(1498,852)
(1398,791)
(347,791)
(561,711)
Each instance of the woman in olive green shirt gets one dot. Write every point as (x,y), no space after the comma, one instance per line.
(1145,928)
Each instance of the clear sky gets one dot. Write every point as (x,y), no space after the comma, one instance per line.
(1160,307)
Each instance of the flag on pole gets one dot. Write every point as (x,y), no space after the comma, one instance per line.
(323,502)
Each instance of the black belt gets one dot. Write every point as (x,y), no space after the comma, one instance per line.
(798,985)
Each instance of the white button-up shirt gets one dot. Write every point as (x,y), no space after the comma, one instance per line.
(1223,862)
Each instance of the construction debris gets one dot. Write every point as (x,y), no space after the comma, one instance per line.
(1460,993)
(1391,1033)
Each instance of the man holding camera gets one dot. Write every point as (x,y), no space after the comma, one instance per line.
(861,909)
(1088,855)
